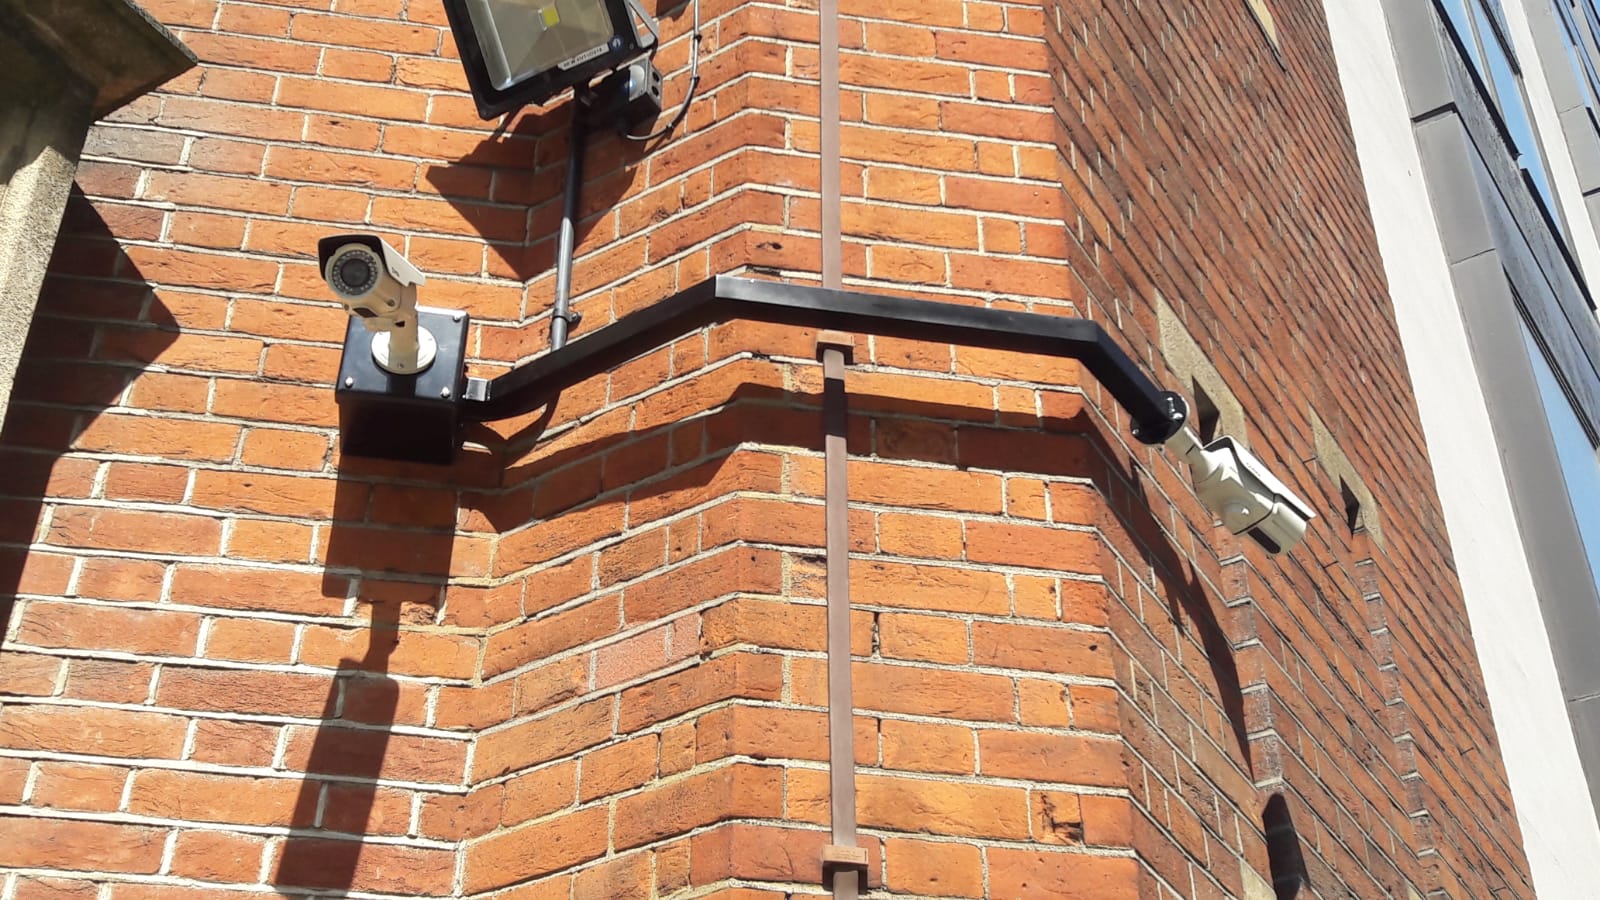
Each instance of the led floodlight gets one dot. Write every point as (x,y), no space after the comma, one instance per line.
(518,52)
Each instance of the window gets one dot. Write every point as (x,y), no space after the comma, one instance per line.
(1482,36)
(1577,46)
(1580,466)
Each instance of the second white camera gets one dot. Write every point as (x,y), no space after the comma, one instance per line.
(1239,490)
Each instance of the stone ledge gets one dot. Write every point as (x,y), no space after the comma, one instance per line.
(111,45)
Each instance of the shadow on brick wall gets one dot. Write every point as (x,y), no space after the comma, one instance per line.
(533,476)
(68,376)
(510,189)
(390,546)
(577,473)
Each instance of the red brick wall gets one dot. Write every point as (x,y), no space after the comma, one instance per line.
(588,660)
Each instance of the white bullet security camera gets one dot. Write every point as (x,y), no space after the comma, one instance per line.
(379,286)
(1239,490)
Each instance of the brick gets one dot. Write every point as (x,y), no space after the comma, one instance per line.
(108,681)
(535,794)
(166,793)
(545,686)
(160,392)
(765,853)
(232,690)
(930,638)
(169,438)
(617,768)
(761,732)
(218,856)
(23,674)
(248,195)
(755,677)
(942,807)
(926,747)
(344,31)
(269,541)
(405,652)
(547,637)
(1074,875)
(938,588)
(13,779)
(247,640)
(1107,821)
(75,786)
(39,888)
(535,850)
(284,495)
(940,869)
(228,587)
(543,739)
(374,753)
(362,809)
(734,792)
(1032,547)
(310,93)
(1042,649)
(1050,757)
(624,876)
(80,846)
(365,866)
(924,692)
(154,484)
(235,743)
(85,626)
(761,623)
(111,732)
(322,167)
(285,403)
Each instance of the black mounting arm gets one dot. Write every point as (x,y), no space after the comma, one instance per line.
(1157,415)
(419,417)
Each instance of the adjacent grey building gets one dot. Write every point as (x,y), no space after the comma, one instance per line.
(1481,151)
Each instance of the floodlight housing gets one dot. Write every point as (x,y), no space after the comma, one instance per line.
(518,52)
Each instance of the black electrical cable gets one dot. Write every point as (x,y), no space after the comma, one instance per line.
(694,86)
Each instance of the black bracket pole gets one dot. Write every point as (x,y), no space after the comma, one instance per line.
(1156,414)
(561,316)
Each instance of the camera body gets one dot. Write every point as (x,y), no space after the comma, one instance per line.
(372,279)
(1239,490)
(378,286)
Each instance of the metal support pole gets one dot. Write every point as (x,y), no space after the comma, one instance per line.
(829,131)
(561,318)
(843,862)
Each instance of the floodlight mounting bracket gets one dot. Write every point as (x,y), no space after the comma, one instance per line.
(1155,414)
(651,24)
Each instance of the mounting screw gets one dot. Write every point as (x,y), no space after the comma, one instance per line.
(456,316)
(349,381)
(444,393)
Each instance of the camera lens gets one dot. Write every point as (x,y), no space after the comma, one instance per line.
(355,273)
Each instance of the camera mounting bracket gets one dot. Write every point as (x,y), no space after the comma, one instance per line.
(1155,414)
